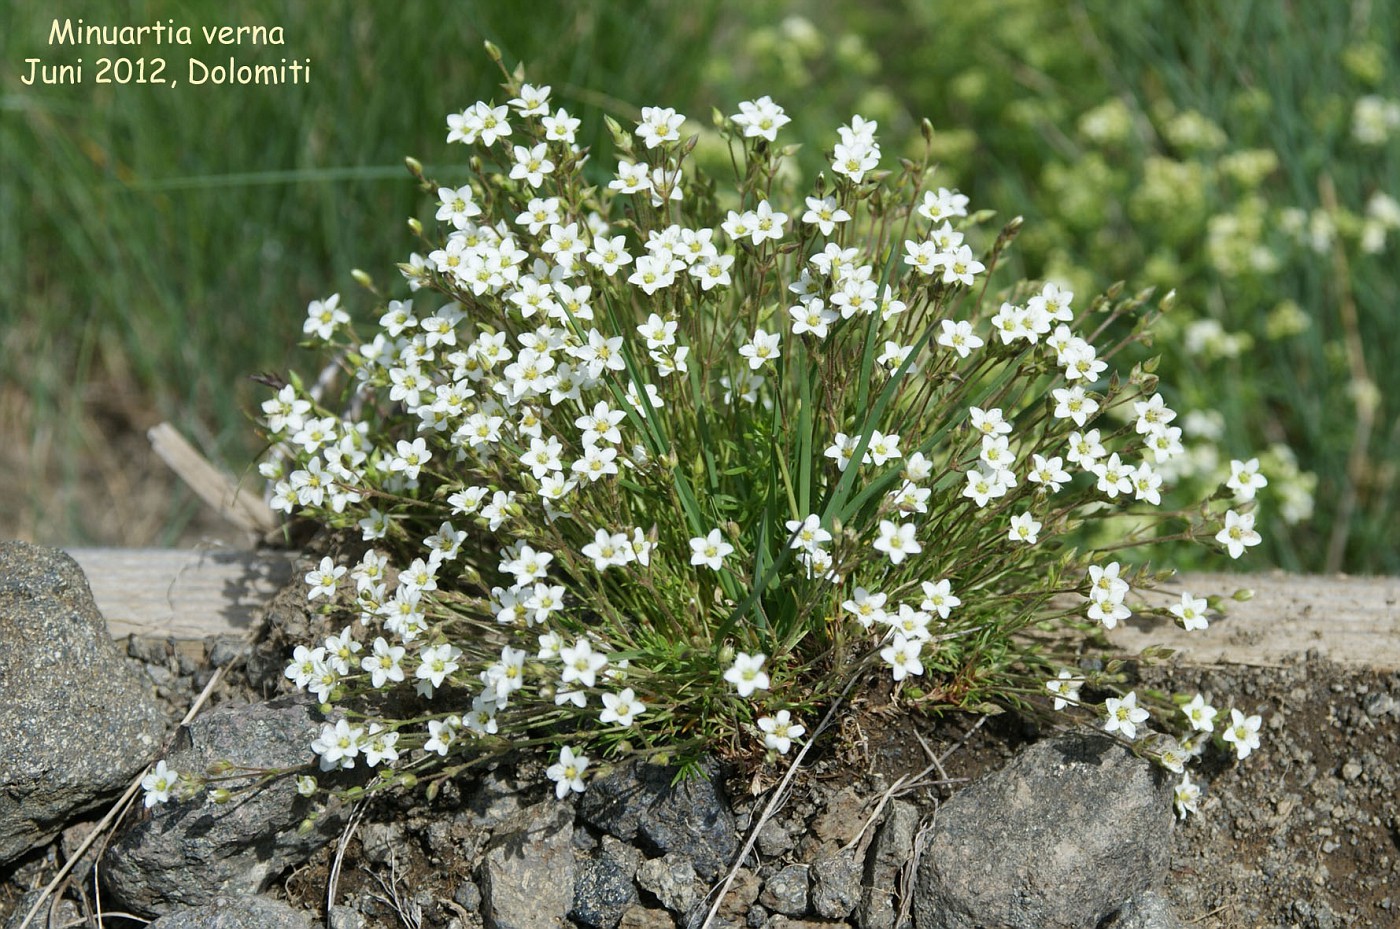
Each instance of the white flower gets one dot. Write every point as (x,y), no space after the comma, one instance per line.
(1200,714)
(1048,472)
(1242,733)
(621,708)
(762,348)
(1024,528)
(779,731)
(567,773)
(338,745)
(807,534)
(747,674)
(323,317)
(1114,476)
(767,224)
(825,214)
(1191,612)
(761,118)
(436,662)
(1152,413)
(710,550)
(383,663)
(897,541)
(958,336)
(939,598)
(609,550)
(581,663)
(1245,479)
(1238,533)
(159,783)
(943,204)
(1073,403)
(1065,687)
(1185,796)
(659,126)
(867,607)
(1124,715)
(902,656)
(441,734)
(324,580)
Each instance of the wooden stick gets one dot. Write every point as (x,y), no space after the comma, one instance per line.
(240,506)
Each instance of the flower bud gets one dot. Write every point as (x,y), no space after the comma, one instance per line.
(1243,595)
(220,795)
(306,785)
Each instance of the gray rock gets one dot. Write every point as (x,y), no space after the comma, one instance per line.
(1064,835)
(527,876)
(223,650)
(639,917)
(775,840)
(1148,910)
(66,913)
(1379,704)
(636,802)
(671,879)
(235,912)
(468,896)
(786,891)
(345,917)
(187,853)
(381,841)
(497,797)
(743,891)
(79,723)
(893,846)
(835,885)
(603,890)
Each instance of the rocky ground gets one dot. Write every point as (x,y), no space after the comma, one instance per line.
(1306,832)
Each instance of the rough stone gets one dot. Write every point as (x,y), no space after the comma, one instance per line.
(893,846)
(65,914)
(640,917)
(671,879)
(187,853)
(835,885)
(837,824)
(235,912)
(346,917)
(79,723)
(786,891)
(1064,835)
(381,841)
(604,890)
(785,922)
(741,895)
(468,896)
(496,798)
(527,876)
(1148,910)
(637,802)
(775,839)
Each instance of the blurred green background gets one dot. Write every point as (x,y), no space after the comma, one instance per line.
(159,245)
